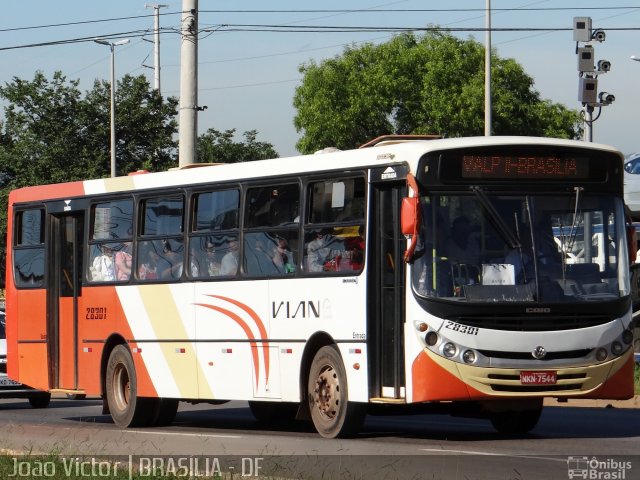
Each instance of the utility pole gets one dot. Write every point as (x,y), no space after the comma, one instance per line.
(188,83)
(156,43)
(487,72)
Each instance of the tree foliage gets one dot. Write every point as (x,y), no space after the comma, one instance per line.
(219,147)
(432,84)
(53,133)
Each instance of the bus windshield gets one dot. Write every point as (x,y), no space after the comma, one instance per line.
(489,247)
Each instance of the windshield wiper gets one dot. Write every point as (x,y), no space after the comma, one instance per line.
(496,220)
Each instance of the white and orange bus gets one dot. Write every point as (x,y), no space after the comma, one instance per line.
(413,274)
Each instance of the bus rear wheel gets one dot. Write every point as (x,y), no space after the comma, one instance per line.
(328,396)
(127,409)
(516,422)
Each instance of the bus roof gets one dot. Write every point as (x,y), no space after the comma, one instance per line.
(408,151)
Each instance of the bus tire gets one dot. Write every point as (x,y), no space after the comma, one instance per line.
(127,409)
(332,413)
(40,400)
(274,412)
(516,422)
(164,411)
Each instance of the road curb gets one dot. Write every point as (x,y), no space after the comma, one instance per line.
(590,403)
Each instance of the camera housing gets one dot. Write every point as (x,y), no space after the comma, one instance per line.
(606,98)
(604,65)
(599,35)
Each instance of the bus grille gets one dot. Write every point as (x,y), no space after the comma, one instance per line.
(527,355)
(533,323)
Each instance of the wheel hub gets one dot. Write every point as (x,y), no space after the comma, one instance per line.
(327,392)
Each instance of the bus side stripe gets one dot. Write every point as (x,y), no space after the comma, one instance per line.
(247,331)
(259,324)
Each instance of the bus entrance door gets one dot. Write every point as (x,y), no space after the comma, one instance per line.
(65,261)
(386,291)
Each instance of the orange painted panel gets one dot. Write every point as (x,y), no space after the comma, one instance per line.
(47,192)
(32,361)
(101,316)
(619,386)
(431,382)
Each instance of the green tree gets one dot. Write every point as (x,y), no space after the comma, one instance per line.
(52,133)
(433,84)
(219,147)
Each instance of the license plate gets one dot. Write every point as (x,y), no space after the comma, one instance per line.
(538,378)
(8,382)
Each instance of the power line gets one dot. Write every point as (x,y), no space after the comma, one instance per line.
(427,10)
(82,22)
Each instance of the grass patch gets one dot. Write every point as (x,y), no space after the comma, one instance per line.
(636,379)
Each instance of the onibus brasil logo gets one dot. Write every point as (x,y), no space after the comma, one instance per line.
(594,468)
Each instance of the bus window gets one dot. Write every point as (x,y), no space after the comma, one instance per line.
(160,248)
(333,234)
(271,237)
(28,255)
(110,244)
(214,255)
(272,206)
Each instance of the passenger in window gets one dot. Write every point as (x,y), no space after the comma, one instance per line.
(319,251)
(102,267)
(149,269)
(283,257)
(175,260)
(210,262)
(229,263)
(123,263)
(353,257)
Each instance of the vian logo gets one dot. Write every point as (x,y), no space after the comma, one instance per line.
(302,309)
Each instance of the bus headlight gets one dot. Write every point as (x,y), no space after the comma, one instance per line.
(601,354)
(431,338)
(469,356)
(449,349)
(616,348)
(627,336)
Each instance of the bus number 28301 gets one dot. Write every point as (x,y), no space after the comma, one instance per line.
(96,313)
(458,327)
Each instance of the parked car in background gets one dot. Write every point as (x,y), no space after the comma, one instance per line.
(632,183)
(10,388)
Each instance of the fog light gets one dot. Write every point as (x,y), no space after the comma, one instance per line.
(469,356)
(601,354)
(431,338)
(627,336)
(616,348)
(422,327)
(449,349)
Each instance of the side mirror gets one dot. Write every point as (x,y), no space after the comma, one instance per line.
(409,216)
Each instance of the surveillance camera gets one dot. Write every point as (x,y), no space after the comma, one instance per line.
(599,35)
(604,65)
(606,98)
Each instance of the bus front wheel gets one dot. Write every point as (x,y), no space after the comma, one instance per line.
(516,422)
(127,409)
(328,396)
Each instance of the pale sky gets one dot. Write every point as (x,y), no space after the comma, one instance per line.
(247,79)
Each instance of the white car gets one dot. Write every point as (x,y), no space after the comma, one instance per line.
(632,183)
(10,388)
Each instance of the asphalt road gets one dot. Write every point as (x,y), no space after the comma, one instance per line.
(418,446)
